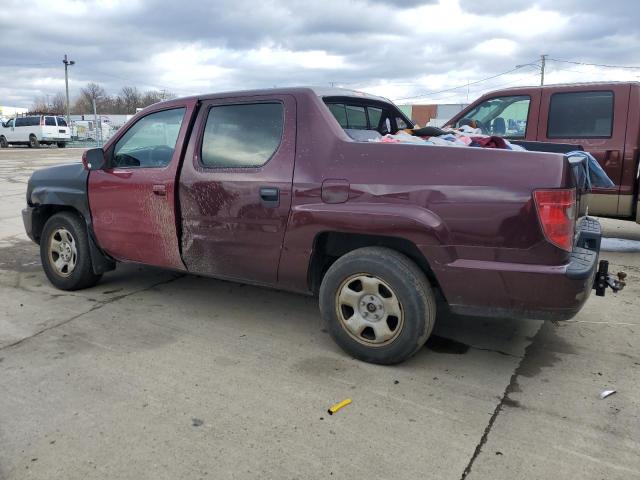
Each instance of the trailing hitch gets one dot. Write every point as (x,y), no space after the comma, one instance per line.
(605,279)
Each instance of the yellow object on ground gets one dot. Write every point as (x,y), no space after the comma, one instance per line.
(338,406)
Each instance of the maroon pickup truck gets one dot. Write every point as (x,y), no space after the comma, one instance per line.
(272,188)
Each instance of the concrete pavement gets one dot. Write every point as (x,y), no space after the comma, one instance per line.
(156,375)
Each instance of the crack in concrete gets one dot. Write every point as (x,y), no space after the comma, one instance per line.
(97,306)
(499,352)
(505,400)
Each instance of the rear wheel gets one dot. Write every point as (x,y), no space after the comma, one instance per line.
(64,252)
(33,141)
(377,305)
(3,142)
(61,144)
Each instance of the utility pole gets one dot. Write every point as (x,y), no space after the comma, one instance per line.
(95,122)
(543,63)
(67,64)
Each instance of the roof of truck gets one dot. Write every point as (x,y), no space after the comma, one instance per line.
(319,91)
(565,85)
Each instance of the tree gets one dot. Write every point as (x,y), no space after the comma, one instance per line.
(129,99)
(45,104)
(88,94)
(59,104)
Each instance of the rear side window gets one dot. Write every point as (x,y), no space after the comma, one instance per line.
(340,113)
(375,114)
(356,117)
(240,136)
(61,122)
(21,122)
(580,115)
(50,121)
(361,117)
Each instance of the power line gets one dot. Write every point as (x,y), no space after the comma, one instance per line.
(594,64)
(460,86)
(480,91)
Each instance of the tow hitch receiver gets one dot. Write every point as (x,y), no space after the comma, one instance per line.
(604,279)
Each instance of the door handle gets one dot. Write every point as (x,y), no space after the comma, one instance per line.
(270,196)
(160,190)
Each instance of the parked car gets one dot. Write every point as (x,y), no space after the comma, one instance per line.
(602,118)
(34,131)
(266,187)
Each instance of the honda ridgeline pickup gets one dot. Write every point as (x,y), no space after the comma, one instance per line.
(270,188)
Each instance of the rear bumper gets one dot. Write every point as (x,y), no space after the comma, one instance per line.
(546,292)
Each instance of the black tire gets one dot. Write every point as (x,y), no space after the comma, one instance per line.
(408,284)
(81,276)
(61,144)
(3,142)
(33,141)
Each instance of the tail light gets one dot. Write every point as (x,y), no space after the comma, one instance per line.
(556,211)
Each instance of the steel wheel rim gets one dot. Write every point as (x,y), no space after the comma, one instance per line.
(63,252)
(369,310)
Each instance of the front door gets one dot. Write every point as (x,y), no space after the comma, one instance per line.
(133,199)
(235,187)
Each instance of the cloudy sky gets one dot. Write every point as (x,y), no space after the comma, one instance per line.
(411,51)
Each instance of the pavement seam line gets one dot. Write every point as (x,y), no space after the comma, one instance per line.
(98,306)
(505,396)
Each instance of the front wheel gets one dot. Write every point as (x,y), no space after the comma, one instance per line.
(64,252)
(3,142)
(377,305)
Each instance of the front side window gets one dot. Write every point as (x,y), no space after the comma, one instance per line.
(50,121)
(240,136)
(580,115)
(150,142)
(503,116)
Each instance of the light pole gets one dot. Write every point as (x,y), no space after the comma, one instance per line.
(67,64)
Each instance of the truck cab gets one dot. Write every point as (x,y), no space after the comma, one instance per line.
(601,118)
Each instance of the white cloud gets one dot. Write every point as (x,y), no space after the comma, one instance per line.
(392,48)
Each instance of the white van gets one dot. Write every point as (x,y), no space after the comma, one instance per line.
(34,131)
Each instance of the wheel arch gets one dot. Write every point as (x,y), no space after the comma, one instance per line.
(100,261)
(328,246)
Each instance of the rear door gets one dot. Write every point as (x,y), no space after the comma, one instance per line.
(50,128)
(133,200)
(63,129)
(595,118)
(235,187)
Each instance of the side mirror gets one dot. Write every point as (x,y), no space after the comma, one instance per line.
(93,159)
